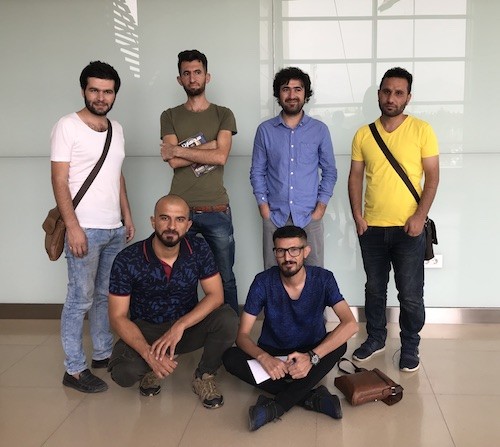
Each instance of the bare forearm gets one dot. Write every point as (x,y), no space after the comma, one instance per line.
(208,153)
(204,307)
(355,189)
(65,203)
(124,203)
(247,345)
(336,338)
(131,335)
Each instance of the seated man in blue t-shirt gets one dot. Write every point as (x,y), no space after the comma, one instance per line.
(154,306)
(293,297)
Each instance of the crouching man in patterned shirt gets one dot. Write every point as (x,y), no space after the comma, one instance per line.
(154,307)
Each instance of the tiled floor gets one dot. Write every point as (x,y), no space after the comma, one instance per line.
(453,400)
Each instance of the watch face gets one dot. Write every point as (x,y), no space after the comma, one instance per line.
(314,358)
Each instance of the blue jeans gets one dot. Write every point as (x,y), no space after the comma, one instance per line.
(217,229)
(381,247)
(88,288)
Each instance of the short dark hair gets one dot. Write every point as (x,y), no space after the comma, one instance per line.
(290,231)
(398,72)
(192,55)
(101,70)
(284,76)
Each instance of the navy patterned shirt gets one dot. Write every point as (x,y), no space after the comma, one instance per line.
(292,323)
(154,298)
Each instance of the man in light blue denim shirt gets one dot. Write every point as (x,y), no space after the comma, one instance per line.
(288,152)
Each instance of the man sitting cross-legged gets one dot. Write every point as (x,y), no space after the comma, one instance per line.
(293,297)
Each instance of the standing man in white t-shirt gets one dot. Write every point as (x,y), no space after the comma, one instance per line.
(98,228)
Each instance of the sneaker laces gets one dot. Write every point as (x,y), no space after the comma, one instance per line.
(150,380)
(206,387)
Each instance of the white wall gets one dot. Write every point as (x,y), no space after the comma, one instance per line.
(46,44)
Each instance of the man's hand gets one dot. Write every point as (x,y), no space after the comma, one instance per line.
(414,225)
(276,368)
(130,230)
(361,225)
(264,210)
(162,368)
(319,211)
(167,342)
(299,365)
(77,241)
(167,151)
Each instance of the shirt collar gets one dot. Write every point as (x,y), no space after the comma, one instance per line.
(278,120)
(149,254)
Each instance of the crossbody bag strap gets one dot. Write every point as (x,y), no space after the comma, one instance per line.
(93,174)
(356,368)
(397,167)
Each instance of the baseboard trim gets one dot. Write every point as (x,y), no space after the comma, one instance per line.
(439,315)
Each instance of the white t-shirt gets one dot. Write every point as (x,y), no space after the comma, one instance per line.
(74,142)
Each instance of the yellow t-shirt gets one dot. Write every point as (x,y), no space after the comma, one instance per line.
(388,202)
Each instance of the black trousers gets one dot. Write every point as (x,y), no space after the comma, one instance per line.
(215,334)
(288,392)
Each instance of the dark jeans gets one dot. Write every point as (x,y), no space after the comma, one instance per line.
(381,247)
(217,230)
(288,392)
(215,334)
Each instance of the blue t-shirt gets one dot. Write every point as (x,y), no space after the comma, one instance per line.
(292,323)
(154,298)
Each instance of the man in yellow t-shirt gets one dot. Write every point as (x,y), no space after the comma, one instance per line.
(390,225)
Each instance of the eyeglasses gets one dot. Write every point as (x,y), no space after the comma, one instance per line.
(292,251)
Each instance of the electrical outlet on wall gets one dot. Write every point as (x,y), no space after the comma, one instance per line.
(435,263)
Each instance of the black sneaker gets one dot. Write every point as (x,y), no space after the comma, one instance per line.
(367,350)
(150,385)
(87,383)
(322,401)
(409,360)
(265,410)
(97,364)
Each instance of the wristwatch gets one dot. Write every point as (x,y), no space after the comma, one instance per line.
(314,358)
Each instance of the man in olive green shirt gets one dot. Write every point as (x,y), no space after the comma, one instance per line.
(197,137)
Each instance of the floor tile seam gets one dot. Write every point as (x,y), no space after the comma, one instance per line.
(448,429)
(183,434)
(33,347)
(84,398)
(475,394)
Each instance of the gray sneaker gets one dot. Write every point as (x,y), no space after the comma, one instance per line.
(205,387)
(150,385)
(367,350)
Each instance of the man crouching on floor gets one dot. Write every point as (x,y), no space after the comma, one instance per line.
(154,307)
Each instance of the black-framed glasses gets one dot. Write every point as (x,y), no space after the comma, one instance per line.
(292,251)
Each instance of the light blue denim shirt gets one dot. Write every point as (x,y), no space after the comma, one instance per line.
(285,168)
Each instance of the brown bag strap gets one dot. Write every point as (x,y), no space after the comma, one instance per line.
(356,368)
(93,174)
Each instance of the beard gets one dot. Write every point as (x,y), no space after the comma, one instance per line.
(394,111)
(192,92)
(169,238)
(290,268)
(292,108)
(91,106)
